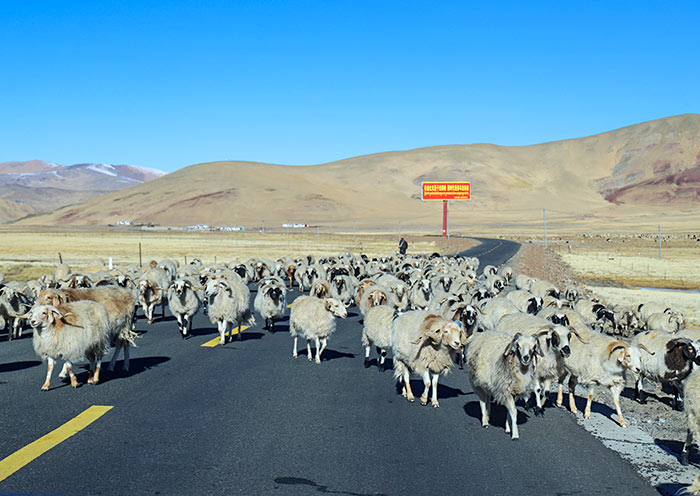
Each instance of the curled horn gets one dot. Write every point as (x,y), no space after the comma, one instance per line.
(544,332)
(642,347)
(578,336)
(618,346)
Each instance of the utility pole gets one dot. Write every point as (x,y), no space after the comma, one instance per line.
(660,257)
(263,226)
(544,216)
(444,217)
(399,230)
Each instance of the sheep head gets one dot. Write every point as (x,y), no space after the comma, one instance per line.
(335,307)
(524,347)
(678,352)
(438,330)
(51,297)
(377,297)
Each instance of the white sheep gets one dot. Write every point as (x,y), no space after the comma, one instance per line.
(228,304)
(668,322)
(70,332)
(343,288)
(119,303)
(314,318)
(271,302)
(603,361)
(14,302)
(525,301)
(670,361)
(377,332)
(501,369)
(184,303)
(426,344)
(152,291)
(492,310)
(692,414)
(420,294)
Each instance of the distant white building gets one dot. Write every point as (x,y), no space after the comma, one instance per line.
(124,223)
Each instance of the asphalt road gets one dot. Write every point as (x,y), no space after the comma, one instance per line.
(247,418)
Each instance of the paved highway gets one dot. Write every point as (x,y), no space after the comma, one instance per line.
(247,418)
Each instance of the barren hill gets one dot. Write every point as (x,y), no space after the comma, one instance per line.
(628,178)
(37,186)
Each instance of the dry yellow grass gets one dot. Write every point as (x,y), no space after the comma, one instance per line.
(634,260)
(27,254)
(686,302)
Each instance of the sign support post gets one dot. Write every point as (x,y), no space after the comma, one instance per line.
(444,217)
(435,191)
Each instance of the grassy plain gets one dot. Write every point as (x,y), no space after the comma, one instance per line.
(617,266)
(28,253)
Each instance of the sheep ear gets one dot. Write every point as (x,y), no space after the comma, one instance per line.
(56,313)
(512,346)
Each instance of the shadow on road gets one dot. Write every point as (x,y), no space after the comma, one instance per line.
(136,366)
(499,414)
(298,481)
(14,366)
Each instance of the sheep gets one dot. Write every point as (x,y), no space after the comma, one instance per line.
(604,361)
(494,284)
(692,413)
(626,322)
(419,295)
(542,288)
(506,272)
(184,303)
(667,322)
(228,303)
(342,288)
(13,304)
(554,341)
(320,289)
(489,270)
(170,267)
(377,331)
(646,310)
(492,310)
(525,301)
(426,344)
(501,369)
(523,282)
(594,313)
(271,302)
(373,296)
(571,294)
(76,281)
(152,287)
(62,272)
(314,318)
(119,303)
(70,332)
(399,290)
(671,361)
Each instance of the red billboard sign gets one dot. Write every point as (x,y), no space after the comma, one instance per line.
(432,191)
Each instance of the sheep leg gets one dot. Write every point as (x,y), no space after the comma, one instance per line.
(639,390)
(17,328)
(189,325)
(367,352)
(538,410)
(685,454)
(222,332)
(512,417)
(185,325)
(677,397)
(308,350)
(572,398)
(589,403)
(319,350)
(113,361)
(616,390)
(426,388)
(294,350)
(434,398)
(560,395)
(64,372)
(324,343)
(407,385)
(125,367)
(47,382)
(484,404)
(94,371)
(73,379)
(239,330)
(382,361)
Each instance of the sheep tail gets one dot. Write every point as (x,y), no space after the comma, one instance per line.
(128,337)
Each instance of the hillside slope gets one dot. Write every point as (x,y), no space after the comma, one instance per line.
(628,177)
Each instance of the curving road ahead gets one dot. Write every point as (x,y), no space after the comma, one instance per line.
(247,418)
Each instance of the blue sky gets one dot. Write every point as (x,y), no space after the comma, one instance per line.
(170,84)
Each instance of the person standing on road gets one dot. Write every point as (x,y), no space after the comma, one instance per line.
(403,245)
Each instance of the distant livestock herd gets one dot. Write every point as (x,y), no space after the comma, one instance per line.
(517,335)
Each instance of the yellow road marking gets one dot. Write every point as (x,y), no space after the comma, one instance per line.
(215,342)
(289,306)
(34,450)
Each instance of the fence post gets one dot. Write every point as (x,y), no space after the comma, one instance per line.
(140,260)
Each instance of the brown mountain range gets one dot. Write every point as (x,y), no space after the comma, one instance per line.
(630,178)
(36,186)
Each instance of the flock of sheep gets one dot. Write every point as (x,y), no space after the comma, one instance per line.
(516,335)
